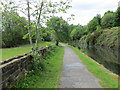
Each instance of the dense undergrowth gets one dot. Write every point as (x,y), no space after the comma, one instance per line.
(46,71)
(108,38)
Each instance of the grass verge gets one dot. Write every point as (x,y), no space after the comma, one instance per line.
(107,79)
(11,52)
(47,77)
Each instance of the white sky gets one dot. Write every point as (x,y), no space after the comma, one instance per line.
(85,10)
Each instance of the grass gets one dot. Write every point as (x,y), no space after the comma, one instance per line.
(11,52)
(49,77)
(107,79)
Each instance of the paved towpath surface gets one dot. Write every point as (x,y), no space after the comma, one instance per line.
(75,74)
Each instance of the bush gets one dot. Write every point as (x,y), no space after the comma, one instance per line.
(108,20)
(12,39)
(13,29)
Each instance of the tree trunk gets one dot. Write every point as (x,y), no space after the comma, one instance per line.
(38,25)
(29,27)
(57,42)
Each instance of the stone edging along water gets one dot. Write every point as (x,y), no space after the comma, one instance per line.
(13,69)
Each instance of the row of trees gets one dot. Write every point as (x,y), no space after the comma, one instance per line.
(108,20)
(65,32)
(13,29)
(60,29)
(17,30)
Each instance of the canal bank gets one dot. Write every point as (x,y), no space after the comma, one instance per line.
(103,47)
(105,38)
(107,57)
(107,79)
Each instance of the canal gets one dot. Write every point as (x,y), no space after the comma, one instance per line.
(108,57)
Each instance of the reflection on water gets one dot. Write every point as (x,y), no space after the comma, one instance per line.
(105,56)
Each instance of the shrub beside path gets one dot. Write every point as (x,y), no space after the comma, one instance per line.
(75,74)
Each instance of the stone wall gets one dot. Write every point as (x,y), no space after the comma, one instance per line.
(13,69)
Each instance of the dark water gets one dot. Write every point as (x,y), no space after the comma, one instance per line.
(108,57)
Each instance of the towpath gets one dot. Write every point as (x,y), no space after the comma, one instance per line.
(75,74)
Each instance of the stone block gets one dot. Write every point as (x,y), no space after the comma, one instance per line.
(10,72)
(15,69)
(0,78)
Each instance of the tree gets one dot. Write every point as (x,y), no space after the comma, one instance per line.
(117,17)
(77,32)
(108,12)
(13,26)
(108,20)
(60,27)
(92,25)
(43,10)
(29,26)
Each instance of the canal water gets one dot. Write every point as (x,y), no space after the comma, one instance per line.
(108,57)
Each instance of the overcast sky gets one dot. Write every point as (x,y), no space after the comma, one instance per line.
(85,10)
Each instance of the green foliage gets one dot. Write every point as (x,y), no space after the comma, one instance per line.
(108,20)
(98,28)
(29,30)
(13,29)
(60,27)
(107,38)
(77,32)
(43,10)
(92,25)
(108,12)
(117,17)
(115,28)
(47,77)
(94,34)
(106,78)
